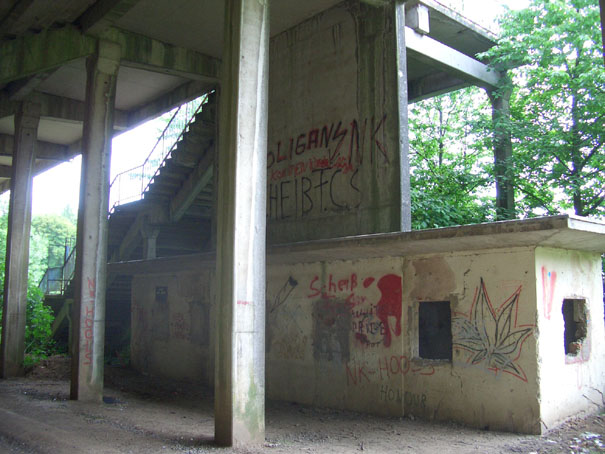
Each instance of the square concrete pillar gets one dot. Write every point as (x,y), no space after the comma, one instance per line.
(402,94)
(242,178)
(27,118)
(91,253)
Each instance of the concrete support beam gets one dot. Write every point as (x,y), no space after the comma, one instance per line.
(91,258)
(198,180)
(417,18)
(142,52)
(44,150)
(503,152)
(6,171)
(32,54)
(103,14)
(59,107)
(433,85)
(174,98)
(10,22)
(17,248)
(21,89)
(439,55)
(240,347)
(150,240)
(402,94)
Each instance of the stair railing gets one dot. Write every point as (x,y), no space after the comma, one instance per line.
(57,278)
(131,184)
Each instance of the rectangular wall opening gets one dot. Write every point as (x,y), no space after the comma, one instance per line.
(575,320)
(435,330)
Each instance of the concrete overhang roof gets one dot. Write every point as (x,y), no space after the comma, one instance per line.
(146,89)
(560,232)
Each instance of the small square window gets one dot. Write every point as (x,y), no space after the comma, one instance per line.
(435,330)
(574,318)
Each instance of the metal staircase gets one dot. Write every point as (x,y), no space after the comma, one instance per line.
(177,203)
(169,199)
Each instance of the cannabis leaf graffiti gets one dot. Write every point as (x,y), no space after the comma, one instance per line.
(492,337)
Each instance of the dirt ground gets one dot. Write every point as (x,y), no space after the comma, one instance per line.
(146,415)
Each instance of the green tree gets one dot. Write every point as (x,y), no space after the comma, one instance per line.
(54,230)
(48,234)
(449,164)
(38,322)
(557,105)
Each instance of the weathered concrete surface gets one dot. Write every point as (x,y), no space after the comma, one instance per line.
(345,332)
(333,156)
(171,330)
(17,240)
(401,17)
(240,269)
(569,383)
(91,258)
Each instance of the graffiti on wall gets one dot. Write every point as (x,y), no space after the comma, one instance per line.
(410,399)
(331,328)
(339,309)
(317,170)
(88,307)
(290,340)
(384,368)
(492,337)
(549,280)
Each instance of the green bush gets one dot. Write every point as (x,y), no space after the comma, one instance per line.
(39,343)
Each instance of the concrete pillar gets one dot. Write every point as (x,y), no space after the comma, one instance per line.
(91,253)
(240,349)
(503,152)
(150,239)
(27,118)
(402,94)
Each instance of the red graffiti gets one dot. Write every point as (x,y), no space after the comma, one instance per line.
(390,304)
(333,139)
(244,303)
(333,287)
(180,327)
(88,335)
(91,288)
(388,367)
(549,279)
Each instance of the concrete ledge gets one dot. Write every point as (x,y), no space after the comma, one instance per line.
(566,231)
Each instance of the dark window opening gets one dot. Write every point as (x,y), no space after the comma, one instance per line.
(574,318)
(435,330)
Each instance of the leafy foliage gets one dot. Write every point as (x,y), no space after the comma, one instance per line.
(557,114)
(449,166)
(38,322)
(48,234)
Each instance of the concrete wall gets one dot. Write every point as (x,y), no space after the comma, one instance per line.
(171,333)
(574,382)
(345,334)
(333,158)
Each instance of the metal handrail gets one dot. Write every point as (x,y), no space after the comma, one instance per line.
(66,273)
(143,174)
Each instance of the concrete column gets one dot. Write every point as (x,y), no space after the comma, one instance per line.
(240,349)
(91,253)
(150,239)
(27,118)
(503,152)
(402,94)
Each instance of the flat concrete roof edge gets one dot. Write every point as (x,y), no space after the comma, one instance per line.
(563,231)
